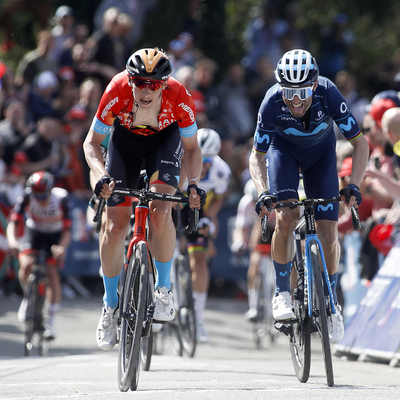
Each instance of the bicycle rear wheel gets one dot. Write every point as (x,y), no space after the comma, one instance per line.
(186,319)
(320,315)
(132,313)
(300,338)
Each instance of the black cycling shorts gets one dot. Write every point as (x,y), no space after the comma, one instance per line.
(34,241)
(160,154)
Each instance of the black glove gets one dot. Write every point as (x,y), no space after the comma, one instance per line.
(200,192)
(265,199)
(99,185)
(351,190)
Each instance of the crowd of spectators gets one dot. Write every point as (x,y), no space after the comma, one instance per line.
(48,102)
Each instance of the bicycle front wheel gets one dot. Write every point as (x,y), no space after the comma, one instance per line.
(132,313)
(320,315)
(147,341)
(300,337)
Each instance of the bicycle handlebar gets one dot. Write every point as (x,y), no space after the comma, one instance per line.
(144,194)
(309,203)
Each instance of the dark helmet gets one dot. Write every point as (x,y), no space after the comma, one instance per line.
(297,68)
(40,182)
(149,64)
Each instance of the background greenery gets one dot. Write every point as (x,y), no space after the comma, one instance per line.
(221,24)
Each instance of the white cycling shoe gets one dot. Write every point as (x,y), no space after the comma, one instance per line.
(106,334)
(164,310)
(336,326)
(282,307)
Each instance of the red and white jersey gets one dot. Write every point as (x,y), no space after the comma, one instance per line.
(50,218)
(117,102)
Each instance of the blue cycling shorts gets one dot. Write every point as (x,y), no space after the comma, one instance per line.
(318,166)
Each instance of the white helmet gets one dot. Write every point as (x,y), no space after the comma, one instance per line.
(209,142)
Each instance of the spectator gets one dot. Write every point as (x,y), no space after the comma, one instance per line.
(333,48)
(263,36)
(63,32)
(186,76)
(235,111)
(136,9)
(90,92)
(205,70)
(42,95)
(36,61)
(68,92)
(43,149)
(182,51)
(346,83)
(13,129)
(259,82)
(84,68)
(106,45)
(8,90)
(80,35)
(76,128)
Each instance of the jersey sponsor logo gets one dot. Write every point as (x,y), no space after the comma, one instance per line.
(163,124)
(262,138)
(347,127)
(167,162)
(320,115)
(186,108)
(296,132)
(108,107)
(325,208)
(343,108)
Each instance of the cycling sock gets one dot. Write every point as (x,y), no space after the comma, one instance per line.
(200,299)
(333,280)
(110,297)
(252,295)
(163,274)
(282,273)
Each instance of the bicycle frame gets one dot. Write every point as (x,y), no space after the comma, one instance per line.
(311,237)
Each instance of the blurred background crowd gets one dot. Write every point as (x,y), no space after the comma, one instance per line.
(58,56)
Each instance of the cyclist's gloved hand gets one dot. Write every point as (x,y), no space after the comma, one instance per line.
(265,199)
(106,179)
(351,190)
(200,192)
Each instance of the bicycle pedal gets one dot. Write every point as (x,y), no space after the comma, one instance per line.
(284,328)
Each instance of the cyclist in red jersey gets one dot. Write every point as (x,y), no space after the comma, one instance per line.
(150,116)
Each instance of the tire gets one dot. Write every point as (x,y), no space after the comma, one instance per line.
(30,317)
(132,314)
(320,317)
(147,341)
(259,326)
(300,338)
(265,288)
(185,318)
(146,351)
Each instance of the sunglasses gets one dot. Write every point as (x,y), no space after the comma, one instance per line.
(302,93)
(207,160)
(142,83)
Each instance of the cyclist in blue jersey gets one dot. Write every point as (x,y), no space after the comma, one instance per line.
(295,134)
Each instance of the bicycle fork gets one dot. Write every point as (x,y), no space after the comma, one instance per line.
(308,276)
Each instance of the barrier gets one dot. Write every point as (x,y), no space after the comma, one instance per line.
(374,329)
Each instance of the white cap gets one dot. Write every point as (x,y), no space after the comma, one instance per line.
(46,79)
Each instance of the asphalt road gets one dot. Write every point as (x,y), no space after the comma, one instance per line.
(227,367)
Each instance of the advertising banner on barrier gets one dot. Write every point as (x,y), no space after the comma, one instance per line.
(374,329)
(83,257)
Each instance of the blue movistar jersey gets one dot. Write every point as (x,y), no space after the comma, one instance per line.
(328,106)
